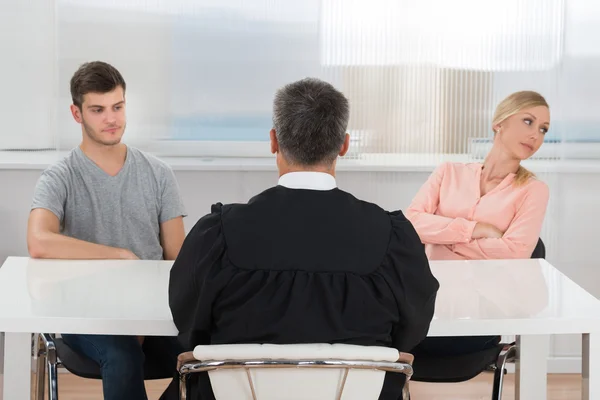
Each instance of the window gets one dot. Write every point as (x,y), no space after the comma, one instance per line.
(422,76)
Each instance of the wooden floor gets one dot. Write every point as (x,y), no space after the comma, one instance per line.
(560,387)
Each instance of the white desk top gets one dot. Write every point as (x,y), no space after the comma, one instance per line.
(130,297)
(507,297)
(103,297)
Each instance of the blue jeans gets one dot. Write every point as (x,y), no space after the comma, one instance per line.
(121,360)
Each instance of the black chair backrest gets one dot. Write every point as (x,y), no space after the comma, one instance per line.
(540,250)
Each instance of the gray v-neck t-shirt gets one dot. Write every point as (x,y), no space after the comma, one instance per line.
(123,211)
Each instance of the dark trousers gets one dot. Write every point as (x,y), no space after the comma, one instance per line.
(454,346)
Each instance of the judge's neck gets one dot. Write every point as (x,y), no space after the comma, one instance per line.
(285,168)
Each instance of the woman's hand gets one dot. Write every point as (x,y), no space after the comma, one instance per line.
(489,231)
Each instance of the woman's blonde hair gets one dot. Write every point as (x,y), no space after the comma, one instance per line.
(512,105)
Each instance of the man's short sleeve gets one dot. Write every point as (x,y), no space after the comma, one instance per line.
(171,201)
(51,193)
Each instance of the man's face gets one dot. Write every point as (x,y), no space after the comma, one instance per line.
(102,116)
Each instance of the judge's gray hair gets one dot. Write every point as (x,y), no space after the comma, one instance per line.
(310,118)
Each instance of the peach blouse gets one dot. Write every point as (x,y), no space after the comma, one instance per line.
(447,207)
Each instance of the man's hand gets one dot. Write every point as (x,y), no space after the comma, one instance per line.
(127,255)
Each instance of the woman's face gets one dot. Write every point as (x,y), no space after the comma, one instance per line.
(523,133)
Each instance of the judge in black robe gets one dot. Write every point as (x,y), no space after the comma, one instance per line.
(303,262)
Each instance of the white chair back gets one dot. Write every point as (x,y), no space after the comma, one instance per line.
(296,383)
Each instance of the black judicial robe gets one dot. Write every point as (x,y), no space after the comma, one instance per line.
(302,266)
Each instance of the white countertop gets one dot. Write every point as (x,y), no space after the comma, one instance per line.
(39,160)
(501,297)
(508,297)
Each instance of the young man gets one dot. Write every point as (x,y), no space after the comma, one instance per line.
(106,200)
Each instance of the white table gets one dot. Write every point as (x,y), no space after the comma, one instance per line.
(529,298)
(58,296)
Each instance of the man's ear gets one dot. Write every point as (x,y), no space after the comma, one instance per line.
(345,145)
(274,142)
(76,112)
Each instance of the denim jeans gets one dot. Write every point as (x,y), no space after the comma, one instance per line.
(121,360)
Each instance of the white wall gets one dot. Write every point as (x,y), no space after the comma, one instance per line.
(27,74)
(570,230)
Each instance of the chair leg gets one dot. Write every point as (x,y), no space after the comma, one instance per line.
(52,381)
(182,386)
(406,391)
(498,383)
(52,361)
(40,374)
(506,355)
(47,342)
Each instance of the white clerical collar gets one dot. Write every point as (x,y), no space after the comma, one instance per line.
(308,180)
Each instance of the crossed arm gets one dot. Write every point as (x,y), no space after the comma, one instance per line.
(473,239)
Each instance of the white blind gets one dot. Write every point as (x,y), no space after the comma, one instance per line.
(423,77)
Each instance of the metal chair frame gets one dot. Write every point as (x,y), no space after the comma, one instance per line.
(190,366)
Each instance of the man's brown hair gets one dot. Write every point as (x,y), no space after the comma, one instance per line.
(94,77)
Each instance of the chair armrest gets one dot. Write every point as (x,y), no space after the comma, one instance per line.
(406,358)
(185,358)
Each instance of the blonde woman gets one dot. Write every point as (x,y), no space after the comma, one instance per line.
(489,210)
